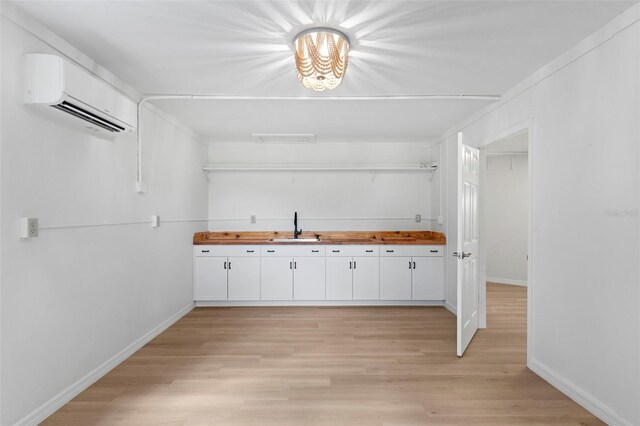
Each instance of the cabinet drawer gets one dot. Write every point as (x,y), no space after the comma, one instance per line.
(215,250)
(399,250)
(351,251)
(293,251)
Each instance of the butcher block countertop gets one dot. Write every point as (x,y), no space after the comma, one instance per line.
(326,237)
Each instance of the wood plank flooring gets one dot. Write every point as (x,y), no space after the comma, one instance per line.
(329,366)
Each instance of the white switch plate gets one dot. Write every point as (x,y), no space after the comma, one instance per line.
(28,227)
(155,221)
(253,218)
(440,221)
(418,218)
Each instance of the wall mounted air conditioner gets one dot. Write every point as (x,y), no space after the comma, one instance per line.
(74,93)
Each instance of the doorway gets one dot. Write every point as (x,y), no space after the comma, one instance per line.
(505,215)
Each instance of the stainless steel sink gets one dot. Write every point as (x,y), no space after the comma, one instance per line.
(295,240)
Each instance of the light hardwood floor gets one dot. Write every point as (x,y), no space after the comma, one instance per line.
(329,366)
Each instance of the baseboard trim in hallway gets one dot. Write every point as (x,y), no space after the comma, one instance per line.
(588,402)
(55,403)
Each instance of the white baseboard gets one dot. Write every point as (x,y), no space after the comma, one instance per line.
(587,401)
(506,281)
(311,303)
(451,308)
(45,410)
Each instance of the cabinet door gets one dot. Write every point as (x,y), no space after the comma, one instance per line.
(339,278)
(395,278)
(308,278)
(428,279)
(210,278)
(276,278)
(244,278)
(366,278)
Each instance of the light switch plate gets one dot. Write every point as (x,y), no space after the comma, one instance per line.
(253,218)
(418,218)
(155,221)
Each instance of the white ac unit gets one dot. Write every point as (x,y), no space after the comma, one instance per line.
(73,92)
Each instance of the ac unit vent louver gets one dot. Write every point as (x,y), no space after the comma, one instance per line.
(78,97)
(88,116)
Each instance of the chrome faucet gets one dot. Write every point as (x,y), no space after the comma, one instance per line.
(296,232)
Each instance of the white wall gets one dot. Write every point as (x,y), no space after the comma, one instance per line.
(585,321)
(324,200)
(73,298)
(505,214)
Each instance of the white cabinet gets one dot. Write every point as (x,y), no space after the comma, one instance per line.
(243,278)
(210,278)
(427,278)
(318,273)
(395,278)
(366,278)
(276,277)
(308,278)
(226,273)
(339,278)
(293,272)
(353,273)
(412,273)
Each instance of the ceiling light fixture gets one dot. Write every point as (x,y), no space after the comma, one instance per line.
(321,58)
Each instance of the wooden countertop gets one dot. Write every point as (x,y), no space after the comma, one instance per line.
(326,237)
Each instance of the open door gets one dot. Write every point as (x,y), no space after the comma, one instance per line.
(467,244)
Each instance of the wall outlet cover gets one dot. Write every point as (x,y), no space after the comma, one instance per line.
(253,218)
(155,221)
(418,218)
(141,187)
(28,227)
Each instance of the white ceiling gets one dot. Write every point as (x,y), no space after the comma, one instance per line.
(397,48)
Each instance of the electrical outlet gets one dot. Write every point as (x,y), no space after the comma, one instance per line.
(253,218)
(155,221)
(28,227)
(418,218)
(141,187)
(440,220)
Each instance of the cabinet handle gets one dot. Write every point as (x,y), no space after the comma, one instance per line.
(290,265)
(414,265)
(205,251)
(295,265)
(250,251)
(389,251)
(336,251)
(225,265)
(271,251)
(354,264)
(229,265)
(350,265)
(434,251)
(315,251)
(409,264)
(369,251)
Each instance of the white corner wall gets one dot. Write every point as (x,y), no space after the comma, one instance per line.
(584,321)
(326,200)
(505,216)
(76,300)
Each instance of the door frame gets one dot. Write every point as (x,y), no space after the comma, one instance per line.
(529,127)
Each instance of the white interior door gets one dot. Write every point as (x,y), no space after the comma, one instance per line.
(467,244)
